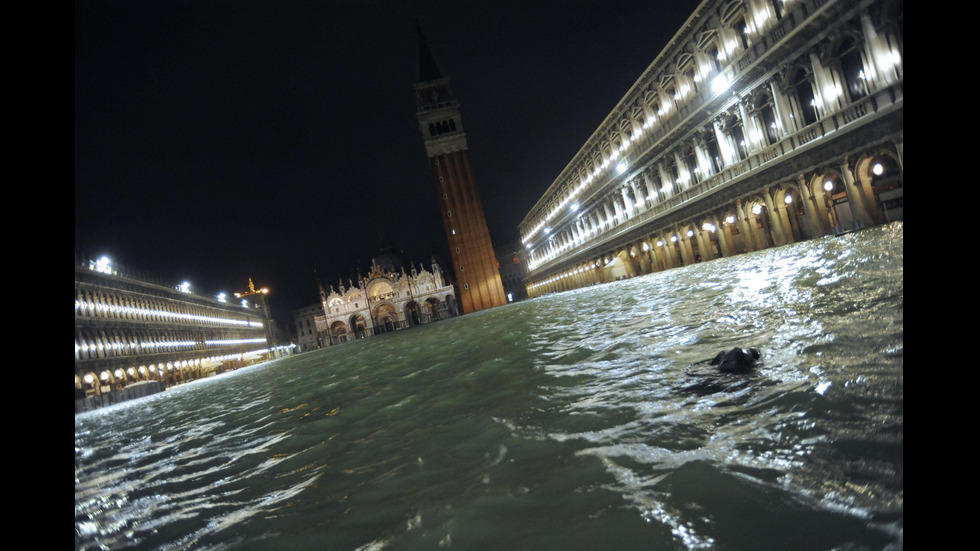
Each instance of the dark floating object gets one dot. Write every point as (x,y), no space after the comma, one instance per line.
(712,375)
(736,360)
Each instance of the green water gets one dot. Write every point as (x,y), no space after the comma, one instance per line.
(575,421)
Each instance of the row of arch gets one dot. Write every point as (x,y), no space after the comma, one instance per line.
(850,195)
(94,343)
(385,318)
(102,381)
(442,127)
(859,59)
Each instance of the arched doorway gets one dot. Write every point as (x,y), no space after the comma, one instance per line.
(385,318)
(792,214)
(413,315)
(833,206)
(757,218)
(358,326)
(338,332)
(881,176)
(435,308)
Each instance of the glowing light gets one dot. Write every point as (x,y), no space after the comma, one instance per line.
(720,83)
(574,207)
(184,287)
(878,169)
(730,219)
(828,185)
(757,209)
(101,265)
(788,199)
(93,307)
(222,297)
(621,168)
(234,341)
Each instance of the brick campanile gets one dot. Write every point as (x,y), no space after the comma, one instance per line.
(474,262)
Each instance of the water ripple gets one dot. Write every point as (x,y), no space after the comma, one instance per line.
(577,421)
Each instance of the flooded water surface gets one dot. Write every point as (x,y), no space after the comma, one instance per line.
(580,420)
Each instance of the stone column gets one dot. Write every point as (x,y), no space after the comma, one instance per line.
(704,162)
(704,244)
(628,206)
(728,156)
(610,215)
(782,108)
(666,180)
(723,241)
(774,221)
(651,193)
(749,129)
(811,207)
(748,238)
(878,54)
(825,86)
(684,175)
(641,203)
(687,254)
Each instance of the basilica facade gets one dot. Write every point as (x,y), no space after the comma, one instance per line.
(386,300)
(762,123)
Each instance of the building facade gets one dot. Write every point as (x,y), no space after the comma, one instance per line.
(441,124)
(385,301)
(512,271)
(762,123)
(310,324)
(132,331)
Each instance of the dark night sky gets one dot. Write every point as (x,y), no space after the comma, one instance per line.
(221,140)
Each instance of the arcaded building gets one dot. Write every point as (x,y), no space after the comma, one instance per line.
(132,328)
(762,123)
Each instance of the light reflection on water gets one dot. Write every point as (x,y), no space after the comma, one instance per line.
(580,420)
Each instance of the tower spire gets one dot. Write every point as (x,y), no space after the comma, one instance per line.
(428,68)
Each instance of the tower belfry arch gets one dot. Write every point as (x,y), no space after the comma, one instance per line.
(474,263)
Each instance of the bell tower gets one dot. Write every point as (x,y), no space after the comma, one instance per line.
(474,262)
